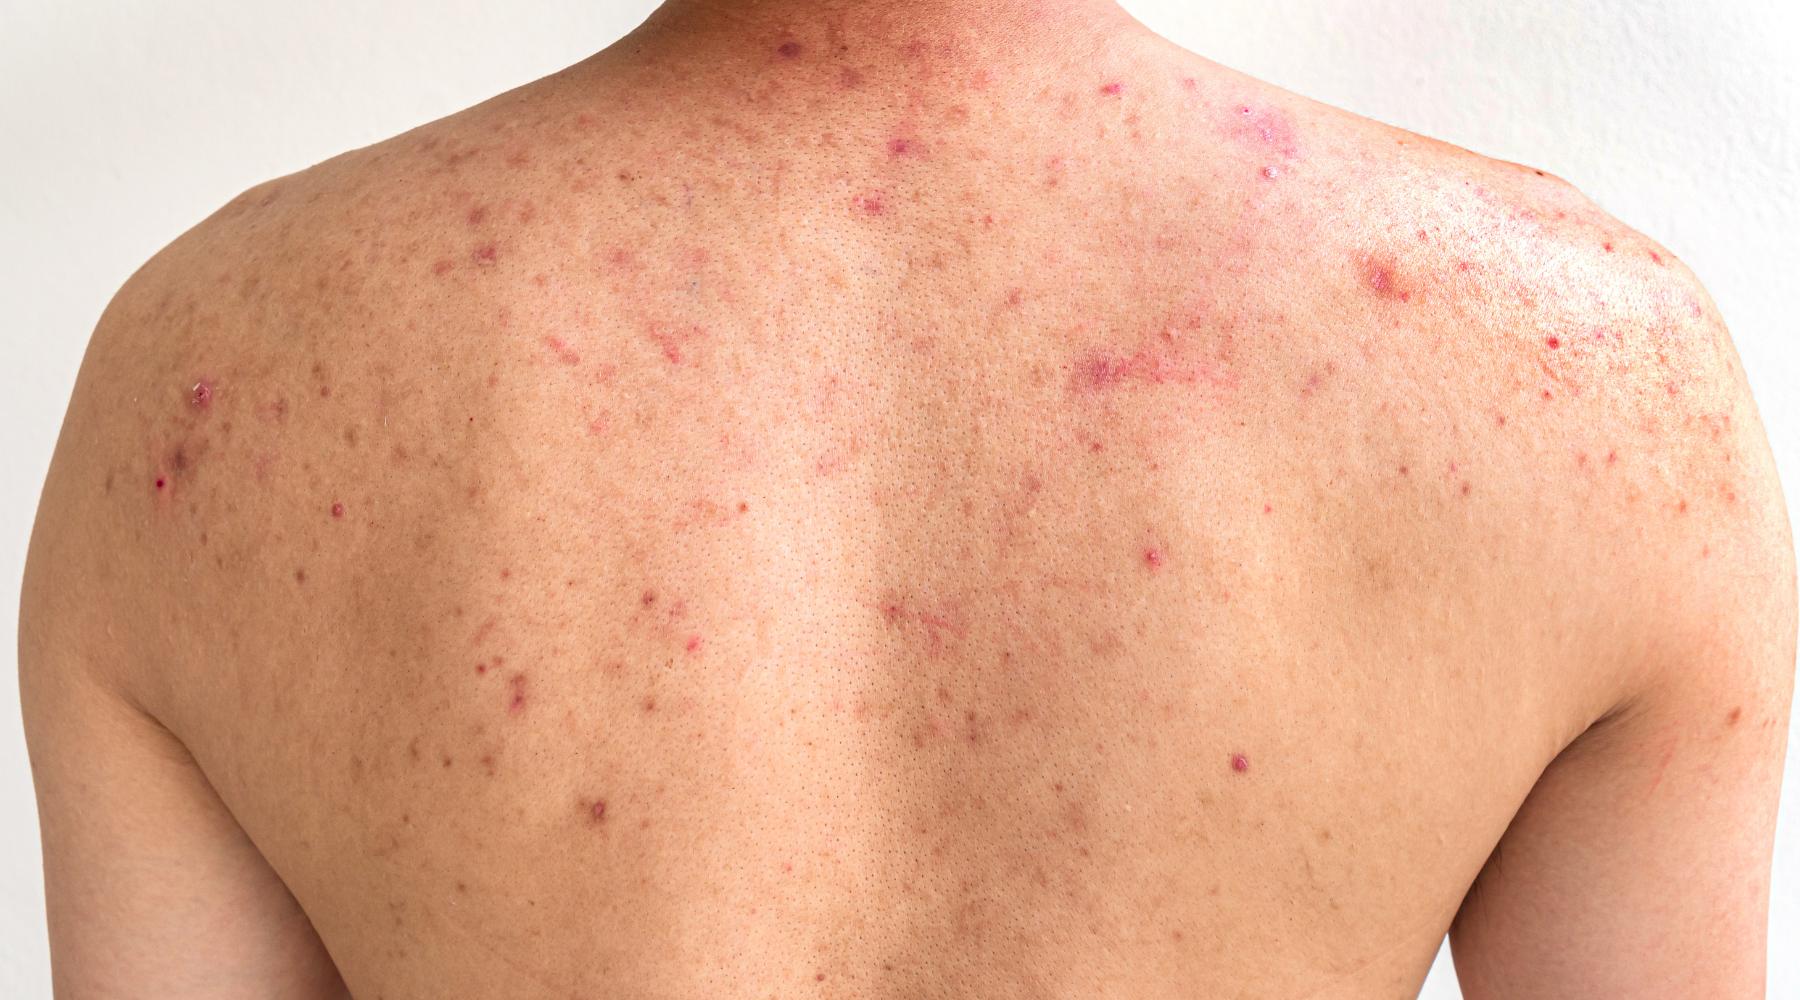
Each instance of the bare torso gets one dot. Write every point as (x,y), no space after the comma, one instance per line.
(836,511)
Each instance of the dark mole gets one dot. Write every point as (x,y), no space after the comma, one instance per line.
(1240,763)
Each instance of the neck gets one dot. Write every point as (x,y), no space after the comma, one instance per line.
(797,29)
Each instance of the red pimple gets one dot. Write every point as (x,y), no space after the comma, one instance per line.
(1112,88)
(1240,763)
(1553,342)
(477,214)
(516,703)
(201,395)
(1656,257)
(1608,246)
(647,598)
(1153,557)
(337,508)
(693,644)
(899,146)
(598,811)
(161,482)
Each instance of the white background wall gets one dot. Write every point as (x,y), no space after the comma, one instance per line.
(124,122)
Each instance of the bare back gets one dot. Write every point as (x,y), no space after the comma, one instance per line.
(845,509)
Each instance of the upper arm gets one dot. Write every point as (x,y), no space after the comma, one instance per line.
(152,888)
(1639,864)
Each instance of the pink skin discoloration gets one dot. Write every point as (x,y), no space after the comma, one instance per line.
(1379,275)
(515,702)
(477,215)
(1240,763)
(671,339)
(1265,127)
(564,353)
(442,266)
(1100,370)
(935,624)
(869,203)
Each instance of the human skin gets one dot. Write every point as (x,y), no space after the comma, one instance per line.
(924,499)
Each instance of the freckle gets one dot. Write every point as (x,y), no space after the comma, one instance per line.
(1735,714)
(485,253)
(1153,558)
(337,509)
(1553,342)
(1240,763)
(201,396)
(1112,88)
(789,50)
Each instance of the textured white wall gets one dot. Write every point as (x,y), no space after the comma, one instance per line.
(125,121)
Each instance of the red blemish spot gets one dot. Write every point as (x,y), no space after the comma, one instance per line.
(563,351)
(1379,276)
(693,644)
(1404,470)
(161,482)
(1553,342)
(202,394)
(742,506)
(789,50)
(1611,457)
(1112,88)
(598,811)
(870,203)
(1268,508)
(1656,257)
(1240,763)
(1465,488)
(820,977)
(849,78)
(516,703)
(1608,247)
(337,508)
(1153,557)
(485,253)
(647,598)
(1189,83)
(442,266)
(900,147)
(481,668)
(477,214)
(1731,718)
